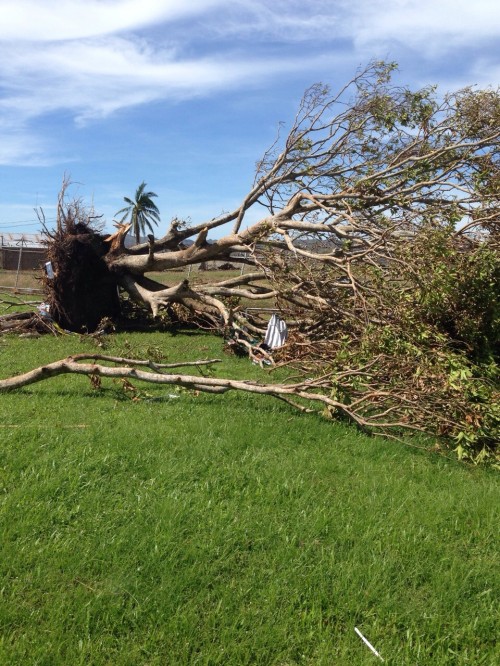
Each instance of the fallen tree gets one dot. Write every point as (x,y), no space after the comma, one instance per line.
(358,175)
(378,243)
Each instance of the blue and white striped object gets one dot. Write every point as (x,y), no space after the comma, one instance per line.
(276,333)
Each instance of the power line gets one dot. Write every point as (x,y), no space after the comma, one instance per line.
(18,224)
(21,223)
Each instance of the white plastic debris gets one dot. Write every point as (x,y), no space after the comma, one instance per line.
(49,270)
(367,643)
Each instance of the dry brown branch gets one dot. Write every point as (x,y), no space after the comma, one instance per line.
(306,391)
(27,323)
(148,363)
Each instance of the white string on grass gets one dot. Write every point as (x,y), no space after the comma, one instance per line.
(367,642)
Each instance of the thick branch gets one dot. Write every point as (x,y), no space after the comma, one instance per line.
(306,391)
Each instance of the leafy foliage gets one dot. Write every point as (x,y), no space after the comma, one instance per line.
(410,344)
(455,286)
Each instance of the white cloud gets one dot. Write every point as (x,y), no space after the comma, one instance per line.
(86,58)
(483,73)
(24,148)
(429,25)
(283,20)
(432,26)
(94,78)
(43,20)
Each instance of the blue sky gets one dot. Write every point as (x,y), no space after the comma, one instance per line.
(188,94)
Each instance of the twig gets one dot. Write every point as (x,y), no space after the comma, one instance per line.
(366,642)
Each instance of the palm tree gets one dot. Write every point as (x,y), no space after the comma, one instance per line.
(142,212)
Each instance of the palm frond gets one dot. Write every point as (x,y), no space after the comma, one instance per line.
(142,211)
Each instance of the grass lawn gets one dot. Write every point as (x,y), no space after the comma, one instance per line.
(24,280)
(198,529)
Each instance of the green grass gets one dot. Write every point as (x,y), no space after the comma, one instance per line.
(229,529)
(25,279)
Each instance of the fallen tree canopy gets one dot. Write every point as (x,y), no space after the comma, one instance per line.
(378,243)
(359,174)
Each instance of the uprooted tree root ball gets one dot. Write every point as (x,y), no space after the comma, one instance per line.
(83,290)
